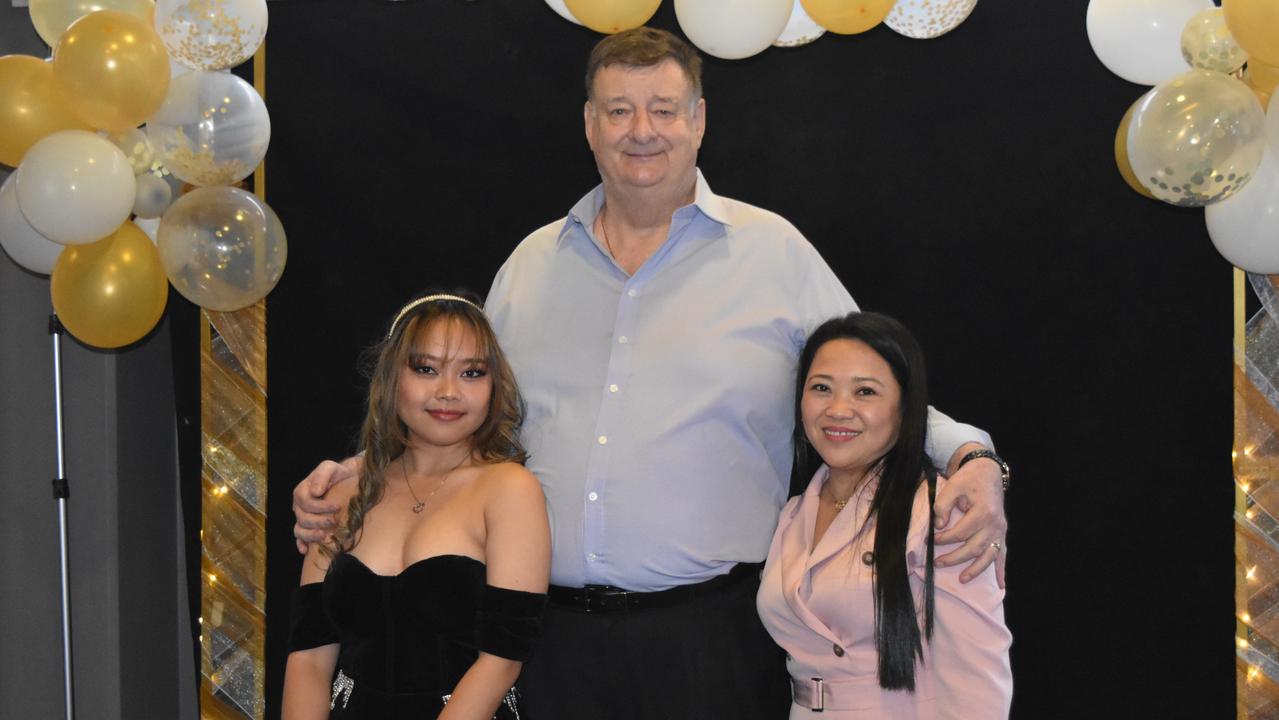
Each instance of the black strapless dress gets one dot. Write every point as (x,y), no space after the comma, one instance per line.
(407,639)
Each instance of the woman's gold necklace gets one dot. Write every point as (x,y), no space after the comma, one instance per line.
(419,504)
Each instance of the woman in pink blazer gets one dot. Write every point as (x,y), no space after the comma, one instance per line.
(870,627)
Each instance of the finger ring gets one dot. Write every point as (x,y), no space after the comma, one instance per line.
(997,545)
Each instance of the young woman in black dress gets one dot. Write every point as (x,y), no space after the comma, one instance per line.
(428,596)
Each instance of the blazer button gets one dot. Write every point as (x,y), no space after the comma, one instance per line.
(839,651)
(868,558)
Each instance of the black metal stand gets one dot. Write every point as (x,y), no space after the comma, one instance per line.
(61,491)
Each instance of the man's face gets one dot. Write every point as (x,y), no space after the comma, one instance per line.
(644,126)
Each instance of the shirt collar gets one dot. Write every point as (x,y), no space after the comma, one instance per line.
(588,208)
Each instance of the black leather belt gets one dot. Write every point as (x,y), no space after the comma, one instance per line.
(605,599)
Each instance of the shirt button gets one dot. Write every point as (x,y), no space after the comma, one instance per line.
(839,651)
(622,340)
(602,440)
(631,293)
(591,557)
(613,388)
(868,558)
(593,497)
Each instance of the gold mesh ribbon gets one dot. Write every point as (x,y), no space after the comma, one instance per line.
(1256,463)
(233,522)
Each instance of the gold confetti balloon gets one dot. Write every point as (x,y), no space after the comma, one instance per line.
(211,34)
(111,69)
(222,248)
(112,292)
(136,146)
(52,17)
(1206,43)
(213,128)
(926,19)
(800,28)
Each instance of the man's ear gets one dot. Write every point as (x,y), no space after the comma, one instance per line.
(588,114)
(699,122)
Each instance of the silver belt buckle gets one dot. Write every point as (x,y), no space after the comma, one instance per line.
(819,695)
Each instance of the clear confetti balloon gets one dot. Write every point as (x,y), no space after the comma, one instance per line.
(153,196)
(800,29)
(222,248)
(136,146)
(1196,138)
(1206,43)
(213,128)
(211,34)
(926,19)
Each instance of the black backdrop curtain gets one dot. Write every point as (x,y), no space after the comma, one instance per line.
(964,185)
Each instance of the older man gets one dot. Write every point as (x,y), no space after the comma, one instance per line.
(654,332)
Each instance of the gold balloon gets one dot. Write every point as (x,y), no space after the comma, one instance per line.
(112,70)
(612,16)
(30,106)
(1261,77)
(111,292)
(53,17)
(847,17)
(1121,152)
(1255,26)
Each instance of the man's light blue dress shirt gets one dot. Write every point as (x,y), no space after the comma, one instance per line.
(660,405)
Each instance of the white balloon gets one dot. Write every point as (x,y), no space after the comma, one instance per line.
(1140,40)
(211,35)
(75,187)
(1272,125)
(213,128)
(153,196)
(800,29)
(22,242)
(150,226)
(926,19)
(559,7)
(1245,227)
(732,29)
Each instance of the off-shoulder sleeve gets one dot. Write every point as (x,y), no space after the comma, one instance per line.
(509,622)
(970,642)
(309,627)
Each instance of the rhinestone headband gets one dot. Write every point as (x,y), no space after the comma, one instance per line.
(429,298)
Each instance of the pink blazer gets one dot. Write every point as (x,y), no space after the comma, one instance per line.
(817,604)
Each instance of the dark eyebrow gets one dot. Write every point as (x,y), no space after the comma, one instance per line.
(428,357)
(855,378)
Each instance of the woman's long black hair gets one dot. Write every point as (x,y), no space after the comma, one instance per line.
(905,466)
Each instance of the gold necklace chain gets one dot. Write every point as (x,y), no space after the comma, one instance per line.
(420,503)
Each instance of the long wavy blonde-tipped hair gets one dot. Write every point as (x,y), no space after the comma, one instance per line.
(384,437)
